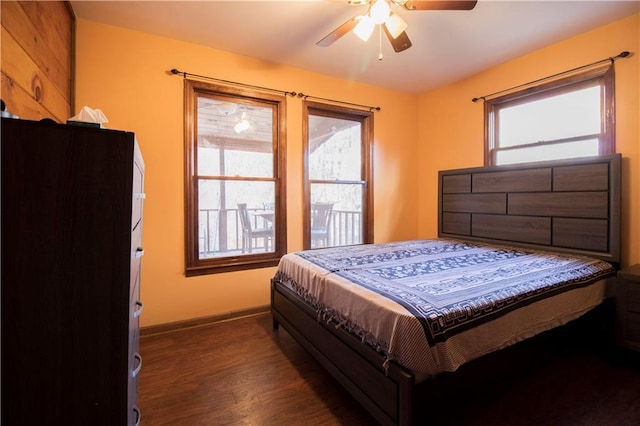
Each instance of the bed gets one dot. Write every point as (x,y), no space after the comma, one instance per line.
(520,250)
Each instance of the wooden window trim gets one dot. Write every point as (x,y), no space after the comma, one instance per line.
(193,265)
(366,121)
(603,75)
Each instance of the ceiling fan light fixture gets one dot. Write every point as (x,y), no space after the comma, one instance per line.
(364,28)
(380,11)
(395,25)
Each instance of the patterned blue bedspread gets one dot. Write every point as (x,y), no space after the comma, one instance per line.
(451,286)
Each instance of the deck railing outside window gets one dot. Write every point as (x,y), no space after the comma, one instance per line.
(215,240)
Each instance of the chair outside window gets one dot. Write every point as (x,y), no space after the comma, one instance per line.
(268,206)
(320,224)
(250,234)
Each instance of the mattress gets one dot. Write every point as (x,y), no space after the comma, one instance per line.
(433,305)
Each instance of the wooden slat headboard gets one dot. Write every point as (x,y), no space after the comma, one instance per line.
(568,206)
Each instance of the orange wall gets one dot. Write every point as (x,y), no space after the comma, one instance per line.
(451,126)
(124,73)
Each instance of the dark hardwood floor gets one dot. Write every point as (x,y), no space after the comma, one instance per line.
(242,372)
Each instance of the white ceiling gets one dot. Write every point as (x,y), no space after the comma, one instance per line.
(447,45)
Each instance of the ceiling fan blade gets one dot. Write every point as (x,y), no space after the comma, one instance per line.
(338,32)
(440,5)
(399,43)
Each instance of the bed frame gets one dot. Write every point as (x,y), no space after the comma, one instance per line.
(568,206)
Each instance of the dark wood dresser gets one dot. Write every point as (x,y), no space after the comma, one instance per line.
(72,199)
(628,307)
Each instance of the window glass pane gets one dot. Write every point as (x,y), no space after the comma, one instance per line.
(559,151)
(562,116)
(221,229)
(234,139)
(335,149)
(344,226)
(223,162)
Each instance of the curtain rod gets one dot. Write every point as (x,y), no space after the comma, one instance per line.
(612,59)
(370,108)
(300,95)
(185,74)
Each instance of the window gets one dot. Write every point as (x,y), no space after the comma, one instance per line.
(567,118)
(234,178)
(338,193)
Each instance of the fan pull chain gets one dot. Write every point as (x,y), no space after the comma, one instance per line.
(380,42)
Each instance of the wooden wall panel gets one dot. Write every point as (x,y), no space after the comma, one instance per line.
(37,59)
(26,106)
(36,84)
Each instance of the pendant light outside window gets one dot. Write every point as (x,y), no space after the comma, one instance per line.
(242,125)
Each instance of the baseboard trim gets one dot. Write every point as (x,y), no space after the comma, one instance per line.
(153,330)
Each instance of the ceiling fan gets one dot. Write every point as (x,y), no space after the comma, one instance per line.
(379,13)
